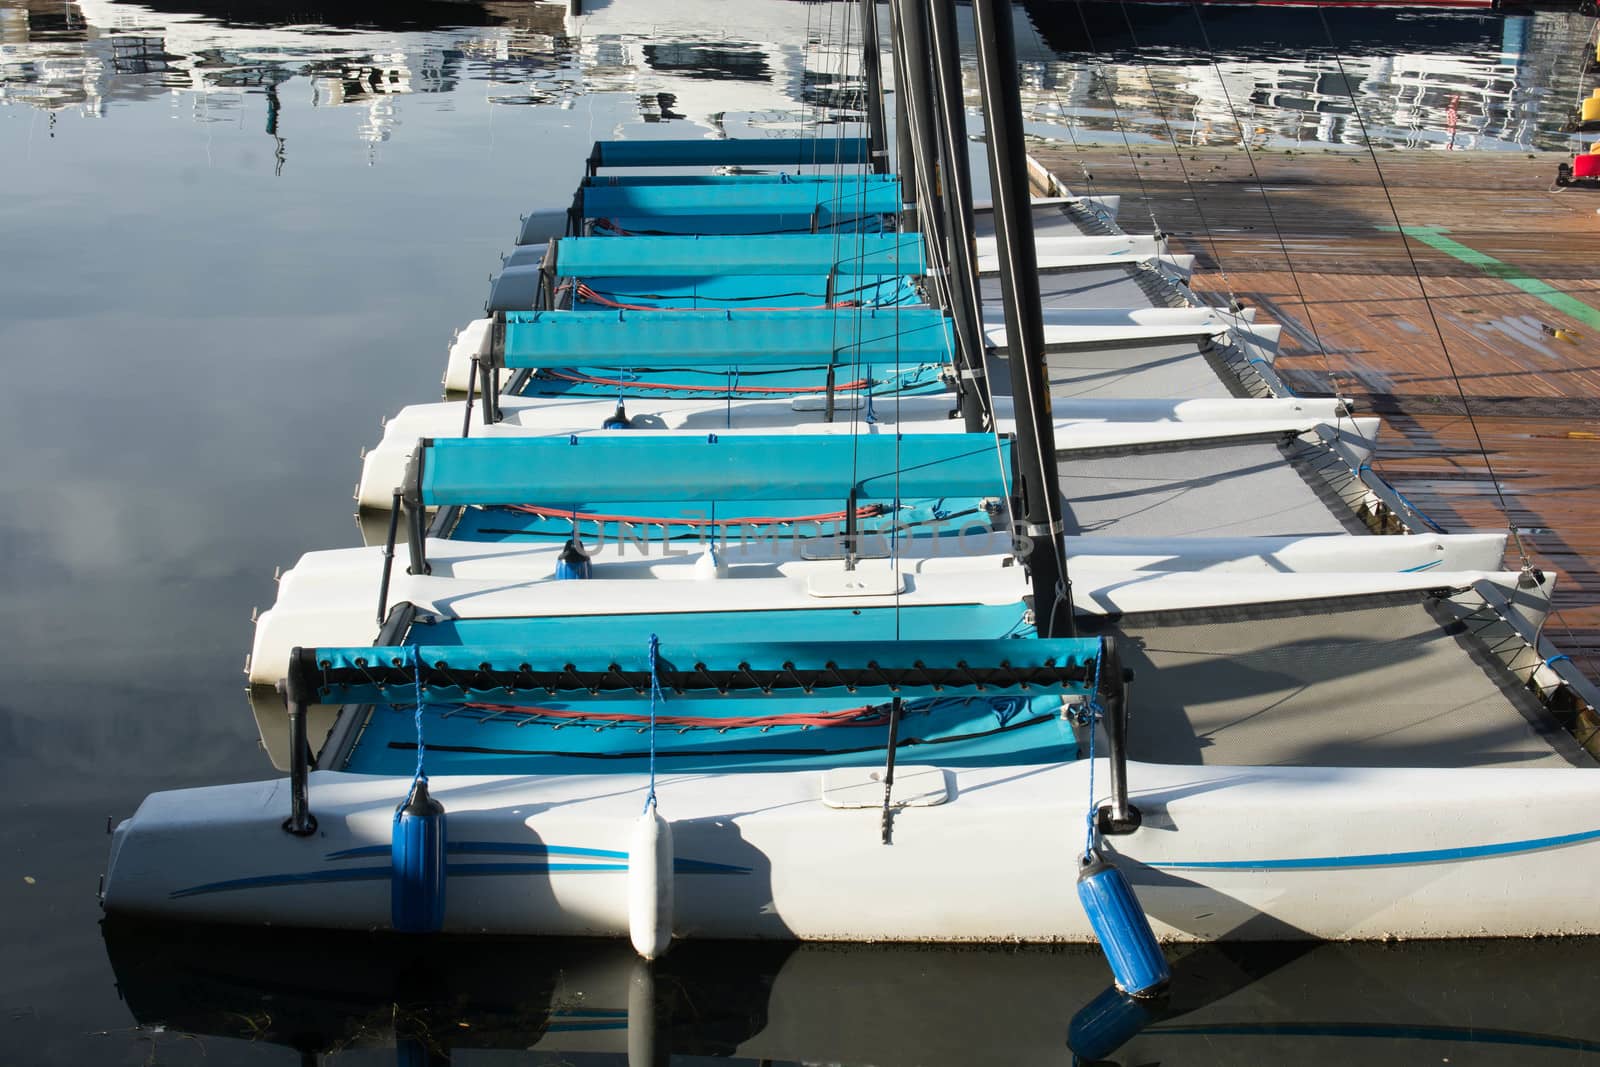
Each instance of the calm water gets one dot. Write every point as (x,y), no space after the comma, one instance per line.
(229,248)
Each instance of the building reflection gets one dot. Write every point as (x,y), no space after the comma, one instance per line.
(1447,81)
(1459,81)
(87,55)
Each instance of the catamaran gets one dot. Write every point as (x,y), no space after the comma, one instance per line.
(819,554)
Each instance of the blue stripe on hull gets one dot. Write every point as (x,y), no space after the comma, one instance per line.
(454,870)
(1387,859)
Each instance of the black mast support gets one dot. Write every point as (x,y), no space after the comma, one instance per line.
(1120,816)
(872,75)
(416,512)
(928,134)
(966,302)
(913,59)
(905,160)
(1045,555)
(886,823)
(298,689)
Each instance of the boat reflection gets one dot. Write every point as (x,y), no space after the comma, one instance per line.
(582,1001)
(1095,71)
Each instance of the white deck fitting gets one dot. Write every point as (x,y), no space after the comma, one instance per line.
(1080,253)
(1120,247)
(1302,555)
(1135,326)
(1107,206)
(1076,437)
(1205,409)
(1143,592)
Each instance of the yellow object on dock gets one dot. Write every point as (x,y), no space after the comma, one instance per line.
(1591,107)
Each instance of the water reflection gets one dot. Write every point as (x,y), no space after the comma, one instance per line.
(1093,72)
(376,998)
(1296,76)
(92,55)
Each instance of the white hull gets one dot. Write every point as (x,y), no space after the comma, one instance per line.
(1225,853)
(1080,425)
(1063,328)
(329,598)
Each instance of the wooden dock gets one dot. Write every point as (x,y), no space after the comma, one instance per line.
(1495,286)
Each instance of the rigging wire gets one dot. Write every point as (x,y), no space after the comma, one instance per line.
(1069,123)
(1427,303)
(942,283)
(1522,552)
(1097,69)
(941,279)
(1266,200)
(1047,473)
(1177,154)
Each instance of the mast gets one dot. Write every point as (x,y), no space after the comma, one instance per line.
(905,160)
(966,303)
(872,75)
(914,52)
(1019,278)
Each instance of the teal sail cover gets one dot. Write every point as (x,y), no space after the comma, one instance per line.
(851,255)
(827,200)
(659,467)
(533,731)
(745,152)
(711,338)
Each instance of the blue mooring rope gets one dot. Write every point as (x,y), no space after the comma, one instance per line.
(1095,712)
(1558,656)
(655,701)
(418,775)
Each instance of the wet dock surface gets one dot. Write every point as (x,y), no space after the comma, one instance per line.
(1491,302)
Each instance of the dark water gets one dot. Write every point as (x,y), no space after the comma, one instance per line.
(227,248)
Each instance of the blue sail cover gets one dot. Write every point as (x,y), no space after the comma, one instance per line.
(604,181)
(500,731)
(661,467)
(895,336)
(818,255)
(746,152)
(825,201)
(724,734)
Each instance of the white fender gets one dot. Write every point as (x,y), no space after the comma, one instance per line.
(650,885)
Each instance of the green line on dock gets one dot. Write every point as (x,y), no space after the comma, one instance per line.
(1433,237)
